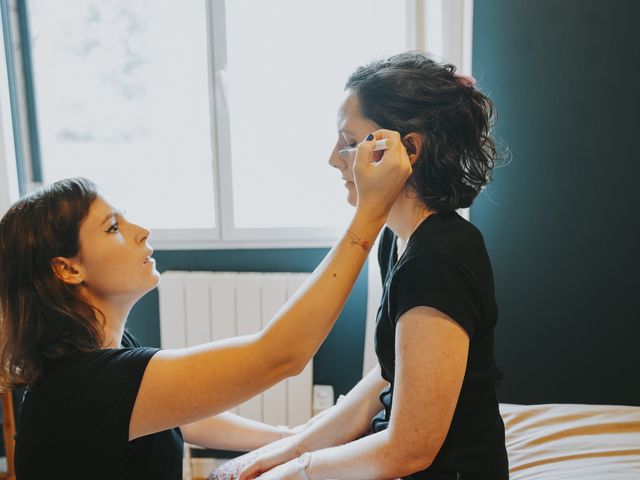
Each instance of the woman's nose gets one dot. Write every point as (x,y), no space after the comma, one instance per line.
(336,161)
(143,233)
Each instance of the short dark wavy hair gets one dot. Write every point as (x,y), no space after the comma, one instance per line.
(410,92)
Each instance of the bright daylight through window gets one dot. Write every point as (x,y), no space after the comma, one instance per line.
(125,94)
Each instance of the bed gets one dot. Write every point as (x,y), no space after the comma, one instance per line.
(558,442)
(572,441)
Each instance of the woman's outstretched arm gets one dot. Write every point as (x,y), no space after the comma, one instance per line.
(182,386)
(228,431)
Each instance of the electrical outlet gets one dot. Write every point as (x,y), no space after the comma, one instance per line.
(322,398)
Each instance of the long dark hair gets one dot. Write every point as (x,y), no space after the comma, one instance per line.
(42,317)
(410,92)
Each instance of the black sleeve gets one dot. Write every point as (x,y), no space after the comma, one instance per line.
(435,280)
(107,384)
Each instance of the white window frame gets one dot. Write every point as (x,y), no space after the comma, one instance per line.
(225,235)
(8,166)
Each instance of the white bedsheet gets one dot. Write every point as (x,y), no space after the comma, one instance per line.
(572,441)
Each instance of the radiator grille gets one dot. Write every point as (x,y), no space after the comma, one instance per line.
(198,307)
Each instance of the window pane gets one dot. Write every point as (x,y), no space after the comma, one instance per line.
(287,64)
(8,168)
(122,98)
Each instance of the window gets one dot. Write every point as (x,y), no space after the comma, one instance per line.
(8,165)
(210,122)
(121,92)
(286,65)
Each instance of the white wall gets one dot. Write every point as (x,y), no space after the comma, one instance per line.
(448,31)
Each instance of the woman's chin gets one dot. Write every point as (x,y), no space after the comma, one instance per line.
(352,194)
(156,278)
(153,282)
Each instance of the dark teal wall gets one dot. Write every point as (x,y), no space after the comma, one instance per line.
(339,360)
(561,221)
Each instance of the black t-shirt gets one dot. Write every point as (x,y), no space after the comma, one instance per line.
(446,266)
(74,423)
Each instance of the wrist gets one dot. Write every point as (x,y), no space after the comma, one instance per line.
(358,241)
(284,432)
(367,226)
(370,216)
(363,232)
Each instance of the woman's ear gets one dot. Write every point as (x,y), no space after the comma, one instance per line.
(413,143)
(65,270)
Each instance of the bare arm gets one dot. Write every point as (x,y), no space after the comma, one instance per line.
(348,420)
(431,357)
(345,421)
(186,385)
(228,431)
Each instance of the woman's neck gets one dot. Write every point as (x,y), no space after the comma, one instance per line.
(407,213)
(116,312)
(113,333)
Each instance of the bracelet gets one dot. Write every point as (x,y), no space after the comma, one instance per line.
(356,240)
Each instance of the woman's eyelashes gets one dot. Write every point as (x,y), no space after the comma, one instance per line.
(347,145)
(115,228)
(350,143)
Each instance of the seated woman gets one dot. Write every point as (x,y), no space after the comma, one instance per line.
(429,410)
(100,406)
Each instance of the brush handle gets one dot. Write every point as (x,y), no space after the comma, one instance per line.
(380,145)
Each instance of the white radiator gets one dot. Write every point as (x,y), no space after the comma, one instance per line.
(198,307)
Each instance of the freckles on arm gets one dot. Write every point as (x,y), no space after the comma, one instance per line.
(431,359)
